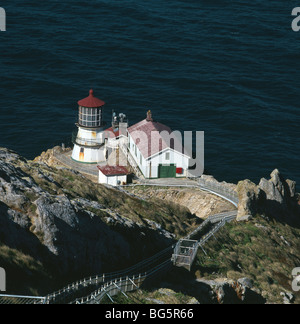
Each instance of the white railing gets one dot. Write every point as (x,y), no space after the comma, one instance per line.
(123,147)
(220,190)
(185,256)
(113,283)
(65,293)
(122,284)
(17,299)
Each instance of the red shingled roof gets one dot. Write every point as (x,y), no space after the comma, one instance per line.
(109,170)
(108,132)
(150,140)
(91,101)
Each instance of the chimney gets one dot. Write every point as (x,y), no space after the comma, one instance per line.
(149,116)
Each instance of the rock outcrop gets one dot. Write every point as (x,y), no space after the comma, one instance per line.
(48,157)
(275,197)
(69,224)
(226,291)
(249,195)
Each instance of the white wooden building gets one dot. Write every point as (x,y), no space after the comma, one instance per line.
(157,150)
(113,175)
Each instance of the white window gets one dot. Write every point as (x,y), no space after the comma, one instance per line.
(167,156)
(90,117)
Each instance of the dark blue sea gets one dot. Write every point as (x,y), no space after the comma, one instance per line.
(228,68)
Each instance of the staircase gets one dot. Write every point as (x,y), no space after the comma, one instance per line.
(186,249)
(94,289)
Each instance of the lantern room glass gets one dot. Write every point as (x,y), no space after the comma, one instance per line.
(90,117)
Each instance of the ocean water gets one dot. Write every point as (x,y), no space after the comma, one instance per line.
(228,68)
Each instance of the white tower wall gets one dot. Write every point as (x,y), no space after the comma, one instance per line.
(88,154)
(89,144)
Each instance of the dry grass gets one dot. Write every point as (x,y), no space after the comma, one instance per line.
(265,251)
(171,216)
(22,269)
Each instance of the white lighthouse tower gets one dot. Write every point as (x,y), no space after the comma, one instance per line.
(89,143)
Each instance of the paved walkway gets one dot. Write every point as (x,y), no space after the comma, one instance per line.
(92,171)
(87,169)
(170,182)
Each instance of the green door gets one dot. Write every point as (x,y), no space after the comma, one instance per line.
(167,171)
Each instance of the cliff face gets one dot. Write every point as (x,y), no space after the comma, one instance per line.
(275,198)
(73,226)
(200,203)
(55,223)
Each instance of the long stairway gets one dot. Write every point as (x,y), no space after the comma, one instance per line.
(94,289)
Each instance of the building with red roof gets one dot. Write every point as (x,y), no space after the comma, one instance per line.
(157,150)
(113,175)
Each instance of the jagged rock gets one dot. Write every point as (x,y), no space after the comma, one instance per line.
(66,234)
(249,196)
(277,188)
(246,282)
(275,198)
(280,197)
(226,291)
(292,187)
(48,157)
(74,236)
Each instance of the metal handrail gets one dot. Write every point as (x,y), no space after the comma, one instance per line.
(98,279)
(22,299)
(135,281)
(104,279)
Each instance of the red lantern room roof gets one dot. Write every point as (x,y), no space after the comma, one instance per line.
(91,101)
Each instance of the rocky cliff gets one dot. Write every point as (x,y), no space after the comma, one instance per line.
(74,227)
(57,226)
(276,198)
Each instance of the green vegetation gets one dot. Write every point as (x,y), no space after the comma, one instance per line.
(263,250)
(172,217)
(156,296)
(22,269)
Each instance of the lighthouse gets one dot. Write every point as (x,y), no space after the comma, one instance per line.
(89,143)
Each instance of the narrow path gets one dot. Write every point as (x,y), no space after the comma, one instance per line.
(107,285)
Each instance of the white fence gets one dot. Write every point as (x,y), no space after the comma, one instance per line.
(108,285)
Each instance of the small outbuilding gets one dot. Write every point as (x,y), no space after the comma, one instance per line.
(113,175)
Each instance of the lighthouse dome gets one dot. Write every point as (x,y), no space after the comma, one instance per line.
(91,101)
